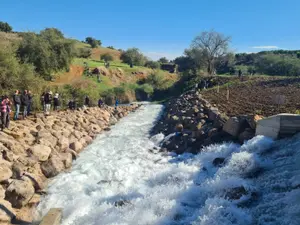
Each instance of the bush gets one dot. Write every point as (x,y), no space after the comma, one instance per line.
(158,81)
(163,60)
(5,27)
(133,56)
(111,47)
(14,75)
(152,64)
(48,51)
(106,57)
(93,42)
(272,64)
(84,53)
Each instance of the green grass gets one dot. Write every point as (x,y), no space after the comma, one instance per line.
(113,64)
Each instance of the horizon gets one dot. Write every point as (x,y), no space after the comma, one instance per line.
(163,29)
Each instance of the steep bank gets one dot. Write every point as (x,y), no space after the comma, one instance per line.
(125,178)
(199,123)
(39,148)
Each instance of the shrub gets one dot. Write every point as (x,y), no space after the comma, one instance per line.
(111,47)
(93,42)
(133,56)
(5,27)
(152,64)
(84,53)
(48,51)
(106,57)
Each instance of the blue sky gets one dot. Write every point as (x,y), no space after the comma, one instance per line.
(162,28)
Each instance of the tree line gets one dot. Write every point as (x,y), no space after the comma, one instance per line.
(209,53)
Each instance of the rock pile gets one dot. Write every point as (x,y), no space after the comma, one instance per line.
(39,148)
(201,123)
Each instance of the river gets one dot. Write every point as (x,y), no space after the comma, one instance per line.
(118,181)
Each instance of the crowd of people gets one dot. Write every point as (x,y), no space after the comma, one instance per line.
(24,102)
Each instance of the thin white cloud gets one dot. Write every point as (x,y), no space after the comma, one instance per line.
(266,47)
(158,55)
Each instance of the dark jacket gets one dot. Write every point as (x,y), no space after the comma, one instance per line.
(56,102)
(87,101)
(17,99)
(25,100)
(48,98)
(30,98)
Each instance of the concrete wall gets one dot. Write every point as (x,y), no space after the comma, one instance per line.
(279,126)
(53,217)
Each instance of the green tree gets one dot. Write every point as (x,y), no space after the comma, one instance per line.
(133,56)
(5,27)
(93,42)
(210,45)
(163,60)
(106,57)
(48,51)
(111,47)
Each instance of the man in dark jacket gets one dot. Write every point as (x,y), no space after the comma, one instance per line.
(25,102)
(87,101)
(48,100)
(17,103)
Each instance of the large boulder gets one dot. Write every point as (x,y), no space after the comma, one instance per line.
(5,170)
(7,213)
(42,152)
(52,166)
(76,146)
(19,193)
(66,159)
(63,143)
(235,125)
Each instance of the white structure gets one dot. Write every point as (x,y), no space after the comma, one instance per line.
(281,125)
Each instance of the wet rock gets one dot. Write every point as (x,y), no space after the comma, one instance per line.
(246,135)
(236,193)
(121,203)
(42,152)
(235,126)
(218,162)
(19,193)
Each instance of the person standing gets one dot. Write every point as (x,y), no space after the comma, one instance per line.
(29,103)
(87,101)
(48,100)
(25,102)
(116,104)
(43,101)
(5,111)
(17,103)
(100,103)
(56,102)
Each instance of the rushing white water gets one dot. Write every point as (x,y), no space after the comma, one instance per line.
(159,188)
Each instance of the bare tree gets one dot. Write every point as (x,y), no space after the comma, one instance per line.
(211,45)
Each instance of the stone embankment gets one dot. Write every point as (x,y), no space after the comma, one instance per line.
(39,148)
(197,123)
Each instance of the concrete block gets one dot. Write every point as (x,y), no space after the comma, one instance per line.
(53,217)
(281,125)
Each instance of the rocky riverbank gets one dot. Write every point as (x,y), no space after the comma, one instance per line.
(37,149)
(190,122)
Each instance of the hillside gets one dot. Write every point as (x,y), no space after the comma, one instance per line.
(257,95)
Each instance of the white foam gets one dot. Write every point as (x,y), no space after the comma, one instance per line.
(175,189)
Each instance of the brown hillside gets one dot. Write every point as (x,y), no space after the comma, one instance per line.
(97,52)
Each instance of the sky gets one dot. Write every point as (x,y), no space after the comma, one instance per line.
(162,27)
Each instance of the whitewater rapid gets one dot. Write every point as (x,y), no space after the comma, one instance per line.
(117,180)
